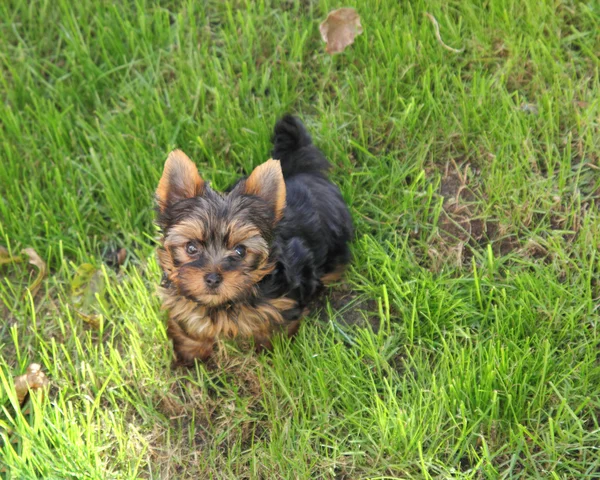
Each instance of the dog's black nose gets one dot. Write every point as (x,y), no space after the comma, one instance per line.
(213,280)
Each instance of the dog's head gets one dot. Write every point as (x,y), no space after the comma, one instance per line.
(215,246)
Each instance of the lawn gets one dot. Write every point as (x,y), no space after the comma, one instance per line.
(464,340)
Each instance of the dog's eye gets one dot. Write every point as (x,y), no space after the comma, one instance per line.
(191,249)
(240,250)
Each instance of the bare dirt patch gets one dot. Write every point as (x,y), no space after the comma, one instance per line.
(349,307)
(462,225)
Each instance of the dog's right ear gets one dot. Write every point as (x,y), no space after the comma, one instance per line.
(180,180)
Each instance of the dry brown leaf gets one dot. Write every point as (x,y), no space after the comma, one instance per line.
(339,29)
(36,261)
(33,380)
(121,256)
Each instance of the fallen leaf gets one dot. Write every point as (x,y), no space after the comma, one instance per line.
(87,287)
(33,380)
(35,260)
(81,279)
(339,29)
(121,256)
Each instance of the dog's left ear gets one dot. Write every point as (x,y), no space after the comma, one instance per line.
(266,182)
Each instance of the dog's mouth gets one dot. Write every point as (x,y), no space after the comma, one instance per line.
(207,298)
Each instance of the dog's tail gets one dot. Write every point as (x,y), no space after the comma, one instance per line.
(293,146)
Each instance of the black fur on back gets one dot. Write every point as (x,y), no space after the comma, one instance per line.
(312,238)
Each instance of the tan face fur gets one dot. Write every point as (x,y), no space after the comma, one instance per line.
(215,247)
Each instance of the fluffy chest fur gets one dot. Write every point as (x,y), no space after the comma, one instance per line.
(238,319)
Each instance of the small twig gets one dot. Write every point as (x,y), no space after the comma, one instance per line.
(438,36)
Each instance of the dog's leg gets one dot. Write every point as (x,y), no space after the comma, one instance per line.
(188,349)
(262,343)
(292,327)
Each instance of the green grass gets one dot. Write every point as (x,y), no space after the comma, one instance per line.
(473,179)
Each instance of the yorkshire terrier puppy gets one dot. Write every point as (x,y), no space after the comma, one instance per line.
(246,263)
